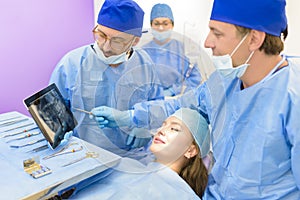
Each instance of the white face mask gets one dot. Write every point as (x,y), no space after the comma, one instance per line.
(115,59)
(161,36)
(224,63)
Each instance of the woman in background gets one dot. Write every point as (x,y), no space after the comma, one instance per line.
(174,69)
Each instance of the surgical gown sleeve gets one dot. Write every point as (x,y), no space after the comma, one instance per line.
(191,79)
(65,73)
(293,123)
(173,67)
(151,114)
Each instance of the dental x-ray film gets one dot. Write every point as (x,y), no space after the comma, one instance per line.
(49,110)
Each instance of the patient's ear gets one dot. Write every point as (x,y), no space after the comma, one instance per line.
(191,152)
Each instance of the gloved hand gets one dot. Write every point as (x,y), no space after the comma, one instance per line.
(61,137)
(110,117)
(138,137)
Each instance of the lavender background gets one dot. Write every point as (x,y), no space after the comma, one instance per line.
(34,35)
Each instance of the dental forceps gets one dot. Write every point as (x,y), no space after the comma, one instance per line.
(64,150)
(87,155)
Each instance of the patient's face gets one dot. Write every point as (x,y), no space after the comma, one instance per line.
(171,141)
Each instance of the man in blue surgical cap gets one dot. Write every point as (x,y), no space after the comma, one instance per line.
(175,71)
(252,102)
(109,72)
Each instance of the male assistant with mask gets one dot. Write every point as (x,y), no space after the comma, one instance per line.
(252,102)
(110,72)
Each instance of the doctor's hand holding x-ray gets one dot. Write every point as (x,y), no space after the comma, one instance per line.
(61,137)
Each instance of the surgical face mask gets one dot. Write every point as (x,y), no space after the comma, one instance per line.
(224,63)
(115,59)
(161,36)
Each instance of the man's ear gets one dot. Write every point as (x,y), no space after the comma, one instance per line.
(257,39)
(191,152)
(136,40)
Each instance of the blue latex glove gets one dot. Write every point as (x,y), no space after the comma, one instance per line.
(138,137)
(110,117)
(61,137)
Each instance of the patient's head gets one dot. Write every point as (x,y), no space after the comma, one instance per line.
(181,143)
(179,135)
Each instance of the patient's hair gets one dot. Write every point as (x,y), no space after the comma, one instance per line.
(195,173)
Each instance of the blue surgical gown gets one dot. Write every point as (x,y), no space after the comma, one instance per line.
(86,82)
(255,133)
(173,67)
(133,180)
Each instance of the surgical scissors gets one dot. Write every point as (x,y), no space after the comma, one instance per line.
(90,154)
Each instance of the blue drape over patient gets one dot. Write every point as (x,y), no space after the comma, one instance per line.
(133,180)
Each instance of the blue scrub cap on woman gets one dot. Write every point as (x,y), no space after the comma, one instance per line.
(161,10)
(124,15)
(197,125)
(263,15)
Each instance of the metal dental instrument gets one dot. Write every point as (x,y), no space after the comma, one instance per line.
(84,111)
(64,152)
(24,136)
(13,122)
(2,120)
(18,127)
(27,144)
(60,151)
(87,155)
(24,131)
(38,148)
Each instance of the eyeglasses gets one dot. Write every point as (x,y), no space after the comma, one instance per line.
(116,43)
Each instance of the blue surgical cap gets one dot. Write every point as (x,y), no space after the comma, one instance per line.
(198,126)
(161,10)
(122,15)
(263,15)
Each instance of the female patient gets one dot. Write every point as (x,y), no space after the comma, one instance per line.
(178,171)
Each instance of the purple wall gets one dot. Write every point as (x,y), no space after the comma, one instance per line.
(34,35)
